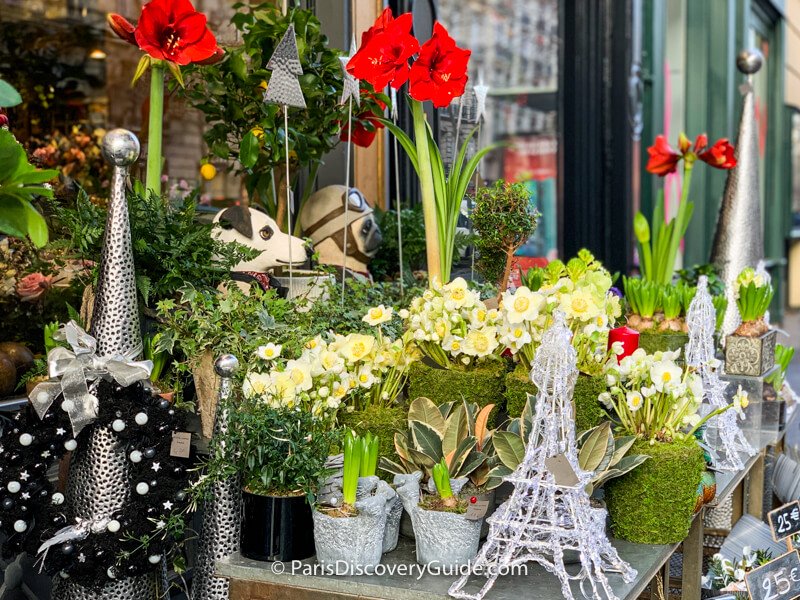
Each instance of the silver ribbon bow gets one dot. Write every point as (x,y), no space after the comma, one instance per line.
(79,531)
(73,369)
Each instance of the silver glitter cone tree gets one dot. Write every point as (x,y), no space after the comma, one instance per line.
(738,241)
(220,535)
(284,87)
(549,512)
(98,483)
(722,432)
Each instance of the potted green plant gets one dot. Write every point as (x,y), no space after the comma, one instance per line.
(444,535)
(656,400)
(503,220)
(727,577)
(351,530)
(249,134)
(581,288)
(750,350)
(773,411)
(658,313)
(281,454)
(458,337)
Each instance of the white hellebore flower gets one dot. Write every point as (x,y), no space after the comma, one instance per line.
(605,400)
(453,344)
(378,314)
(665,375)
(365,378)
(457,293)
(522,305)
(269,351)
(481,342)
(255,384)
(300,374)
(739,574)
(634,400)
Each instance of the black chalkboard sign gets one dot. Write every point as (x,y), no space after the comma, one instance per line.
(779,579)
(785,521)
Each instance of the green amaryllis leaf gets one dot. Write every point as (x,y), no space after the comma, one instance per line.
(425,411)
(509,448)
(404,140)
(426,440)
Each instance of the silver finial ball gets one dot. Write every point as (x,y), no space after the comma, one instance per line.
(120,147)
(226,365)
(749,61)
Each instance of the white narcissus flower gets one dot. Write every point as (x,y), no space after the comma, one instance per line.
(665,375)
(269,351)
(378,314)
(522,305)
(634,400)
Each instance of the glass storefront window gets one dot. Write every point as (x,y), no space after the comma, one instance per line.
(515,50)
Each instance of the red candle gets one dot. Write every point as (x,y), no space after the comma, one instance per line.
(629,338)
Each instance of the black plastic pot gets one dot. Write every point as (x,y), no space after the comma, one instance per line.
(277,528)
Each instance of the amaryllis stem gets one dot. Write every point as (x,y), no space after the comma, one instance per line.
(432,248)
(153,179)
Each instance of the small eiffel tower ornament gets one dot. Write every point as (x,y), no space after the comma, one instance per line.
(549,512)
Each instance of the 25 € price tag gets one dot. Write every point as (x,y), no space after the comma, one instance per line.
(779,579)
(181,446)
(785,521)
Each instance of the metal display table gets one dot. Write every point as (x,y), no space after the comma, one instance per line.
(400,580)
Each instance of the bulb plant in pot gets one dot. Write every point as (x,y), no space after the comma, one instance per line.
(581,288)
(656,400)
(457,336)
(350,530)
(750,350)
(658,313)
(456,432)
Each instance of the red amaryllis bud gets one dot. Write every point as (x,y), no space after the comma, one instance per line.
(663,158)
(720,155)
(700,143)
(3,120)
(219,53)
(122,27)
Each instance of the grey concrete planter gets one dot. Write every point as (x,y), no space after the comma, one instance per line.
(392,532)
(350,543)
(752,356)
(444,539)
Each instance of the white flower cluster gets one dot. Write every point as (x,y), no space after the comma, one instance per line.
(589,307)
(724,574)
(450,323)
(652,395)
(327,372)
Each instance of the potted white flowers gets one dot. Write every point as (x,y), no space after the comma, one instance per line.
(726,576)
(751,348)
(458,336)
(655,399)
(350,531)
(581,290)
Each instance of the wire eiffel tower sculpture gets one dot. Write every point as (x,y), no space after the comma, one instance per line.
(701,320)
(544,517)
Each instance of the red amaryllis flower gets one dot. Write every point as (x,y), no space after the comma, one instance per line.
(720,155)
(122,27)
(663,158)
(440,72)
(384,53)
(365,124)
(173,30)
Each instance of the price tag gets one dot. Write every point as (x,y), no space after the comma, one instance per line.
(476,510)
(562,470)
(779,579)
(785,521)
(181,444)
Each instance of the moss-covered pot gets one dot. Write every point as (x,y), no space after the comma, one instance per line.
(382,422)
(588,410)
(653,341)
(482,383)
(654,503)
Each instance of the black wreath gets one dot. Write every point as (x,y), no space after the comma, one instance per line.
(155,517)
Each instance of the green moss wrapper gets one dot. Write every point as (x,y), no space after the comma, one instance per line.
(382,422)
(483,384)
(653,342)
(654,503)
(588,410)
